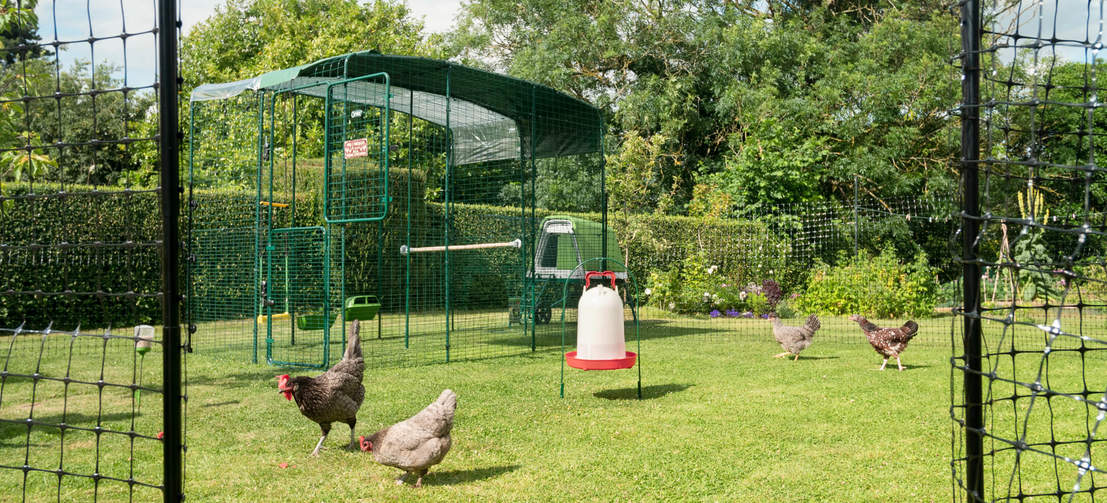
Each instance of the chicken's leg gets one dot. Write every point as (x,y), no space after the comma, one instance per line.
(419,481)
(400,479)
(899,363)
(883,364)
(782,355)
(319,445)
(797,357)
(353,441)
(326,429)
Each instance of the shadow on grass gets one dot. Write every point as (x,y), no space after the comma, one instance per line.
(450,477)
(802,357)
(240,379)
(648,392)
(13,429)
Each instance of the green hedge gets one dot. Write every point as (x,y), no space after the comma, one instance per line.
(78,255)
(224,230)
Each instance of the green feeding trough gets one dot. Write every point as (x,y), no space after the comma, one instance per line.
(362,307)
(315,321)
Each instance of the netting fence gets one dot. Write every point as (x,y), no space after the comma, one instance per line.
(90,355)
(1029,395)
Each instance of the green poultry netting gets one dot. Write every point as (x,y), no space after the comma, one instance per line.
(400,191)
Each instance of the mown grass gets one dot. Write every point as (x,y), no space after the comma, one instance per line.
(721,420)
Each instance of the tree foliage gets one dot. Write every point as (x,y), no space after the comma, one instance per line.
(245,38)
(19,155)
(742,103)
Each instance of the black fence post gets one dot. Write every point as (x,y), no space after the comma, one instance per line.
(970,214)
(169,146)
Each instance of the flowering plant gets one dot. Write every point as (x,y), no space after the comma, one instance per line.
(699,287)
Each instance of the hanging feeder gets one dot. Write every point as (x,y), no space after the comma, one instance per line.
(601,343)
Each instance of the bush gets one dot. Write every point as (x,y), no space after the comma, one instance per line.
(879,287)
(697,287)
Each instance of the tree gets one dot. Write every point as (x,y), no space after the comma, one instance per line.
(751,102)
(245,38)
(19,32)
(19,155)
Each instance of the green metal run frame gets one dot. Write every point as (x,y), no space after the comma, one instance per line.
(476,144)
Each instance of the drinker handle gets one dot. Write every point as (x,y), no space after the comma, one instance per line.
(591,274)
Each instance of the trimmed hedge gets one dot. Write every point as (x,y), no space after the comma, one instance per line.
(224,227)
(78,256)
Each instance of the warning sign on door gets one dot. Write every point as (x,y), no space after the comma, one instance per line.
(356,148)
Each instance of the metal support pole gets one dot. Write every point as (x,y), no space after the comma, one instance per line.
(407,233)
(446,227)
(169,139)
(856,219)
(532,284)
(971,30)
(603,199)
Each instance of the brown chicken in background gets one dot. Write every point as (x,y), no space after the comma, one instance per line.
(888,342)
(416,444)
(335,395)
(794,339)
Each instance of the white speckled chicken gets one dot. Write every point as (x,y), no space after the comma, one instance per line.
(888,342)
(794,339)
(416,444)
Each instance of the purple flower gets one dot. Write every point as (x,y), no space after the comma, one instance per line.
(732,313)
(715,313)
(765,315)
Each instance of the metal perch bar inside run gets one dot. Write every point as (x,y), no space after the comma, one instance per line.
(518,243)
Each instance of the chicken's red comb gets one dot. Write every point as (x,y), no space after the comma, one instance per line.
(366,445)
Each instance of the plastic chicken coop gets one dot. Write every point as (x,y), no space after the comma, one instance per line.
(396,190)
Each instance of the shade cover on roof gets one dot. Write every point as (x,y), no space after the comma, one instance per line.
(491,116)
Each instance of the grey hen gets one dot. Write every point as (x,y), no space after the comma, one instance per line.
(416,444)
(794,339)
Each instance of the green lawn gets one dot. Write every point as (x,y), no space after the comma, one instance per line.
(721,420)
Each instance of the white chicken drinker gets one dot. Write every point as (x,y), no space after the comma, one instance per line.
(600,321)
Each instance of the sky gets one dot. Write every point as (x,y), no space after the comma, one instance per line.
(60,21)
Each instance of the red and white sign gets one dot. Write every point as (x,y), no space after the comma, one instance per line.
(356,148)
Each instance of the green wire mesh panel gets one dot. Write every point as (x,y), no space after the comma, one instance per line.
(297,312)
(357,150)
(223,227)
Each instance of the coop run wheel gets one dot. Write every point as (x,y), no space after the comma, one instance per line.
(543,314)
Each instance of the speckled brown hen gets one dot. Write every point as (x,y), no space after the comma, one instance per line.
(888,342)
(335,395)
(417,443)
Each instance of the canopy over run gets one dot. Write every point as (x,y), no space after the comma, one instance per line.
(491,116)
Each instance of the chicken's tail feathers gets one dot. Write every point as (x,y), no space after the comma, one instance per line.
(447,399)
(813,323)
(353,342)
(910,328)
